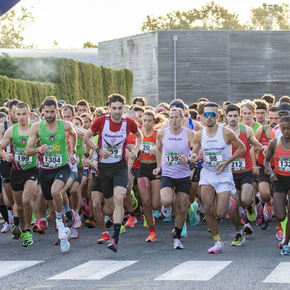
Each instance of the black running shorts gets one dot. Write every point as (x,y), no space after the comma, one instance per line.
(242,178)
(97,183)
(80,174)
(282,184)
(113,175)
(18,178)
(146,170)
(48,176)
(196,174)
(180,184)
(5,169)
(263,177)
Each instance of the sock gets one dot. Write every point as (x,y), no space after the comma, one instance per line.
(16,221)
(257,200)
(58,216)
(177,232)
(217,238)
(105,233)
(190,209)
(151,228)
(43,219)
(240,232)
(117,228)
(278,228)
(4,212)
(66,208)
(132,213)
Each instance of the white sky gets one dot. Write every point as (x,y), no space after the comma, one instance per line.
(73,22)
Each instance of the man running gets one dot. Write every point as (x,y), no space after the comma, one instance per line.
(54,168)
(113,130)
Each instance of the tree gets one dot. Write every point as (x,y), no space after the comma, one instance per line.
(88,44)
(13,25)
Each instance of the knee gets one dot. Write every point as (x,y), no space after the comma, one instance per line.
(26,202)
(119,199)
(55,193)
(246,201)
(97,205)
(221,213)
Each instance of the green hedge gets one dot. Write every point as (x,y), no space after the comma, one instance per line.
(67,79)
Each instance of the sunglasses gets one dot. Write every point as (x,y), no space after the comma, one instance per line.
(210,114)
(281,114)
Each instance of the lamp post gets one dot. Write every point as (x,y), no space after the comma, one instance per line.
(270,7)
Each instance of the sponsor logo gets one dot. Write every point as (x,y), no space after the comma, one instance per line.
(175,139)
(23,140)
(52,137)
(113,140)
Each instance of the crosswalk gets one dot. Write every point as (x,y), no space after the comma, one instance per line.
(186,271)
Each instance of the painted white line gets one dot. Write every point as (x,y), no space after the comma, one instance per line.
(195,271)
(280,274)
(93,270)
(10,267)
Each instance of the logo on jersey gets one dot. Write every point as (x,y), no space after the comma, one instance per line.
(23,140)
(113,140)
(52,138)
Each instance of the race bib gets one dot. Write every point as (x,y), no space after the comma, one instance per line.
(284,164)
(213,158)
(172,158)
(52,161)
(8,150)
(22,159)
(239,164)
(146,147)
(116,151)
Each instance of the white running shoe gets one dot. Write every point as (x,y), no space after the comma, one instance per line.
(177,244)
(10,217)
(217,248)
(74,233)
(166,211)
(78,224)
(6,228)
(63,235)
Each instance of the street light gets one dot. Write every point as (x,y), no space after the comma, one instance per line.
(270,7)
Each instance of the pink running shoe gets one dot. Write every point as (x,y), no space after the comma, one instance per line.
(259,216)
(85,209)
(268,211)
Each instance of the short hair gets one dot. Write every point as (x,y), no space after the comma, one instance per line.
(69,107)
(233,107)
(150,113)
(140,99)
(284,99)
(202,100)
(226,103)
(261,104)
(164,105)
(149,108)
(177,109)
(41,107)
(212,105)
(107,103)
(192,106)
(285,119)
(79,119)
(177,102)
(248,104)
(50,102)
(92,109)
(12,103)
(51,98)
(200,108)
(116,98)
(137,108)
(22,105)
(269,98)
(4,110)
(193,114)
(273,109)
(34,116)
(83,103)
(3,115)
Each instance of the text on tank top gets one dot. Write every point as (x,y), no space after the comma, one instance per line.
(264,140)
(244,162)
(281,159)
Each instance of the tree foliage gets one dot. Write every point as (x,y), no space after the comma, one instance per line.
(12,26)
(88,44)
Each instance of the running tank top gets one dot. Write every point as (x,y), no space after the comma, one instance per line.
(79,151)
(115,142)
(18,149)
(148,144)
(73,167)
(215,150)
(244,162)
(256,126)
(174,146)
(56,154)
(6,126)
(264,140)
(281,159)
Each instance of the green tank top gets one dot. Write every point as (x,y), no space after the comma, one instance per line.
(19,143)
(56,154)
(256,126)
(80,151)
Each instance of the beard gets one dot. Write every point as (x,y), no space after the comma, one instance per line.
(50,119)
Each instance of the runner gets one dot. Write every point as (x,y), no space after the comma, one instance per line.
(113,130)
(261,112)
(216,180)
(270,99)
(54,168)
(24,172)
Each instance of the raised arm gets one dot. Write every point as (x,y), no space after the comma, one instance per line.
(34,133)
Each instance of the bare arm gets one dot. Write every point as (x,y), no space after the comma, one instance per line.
(269,156)
(158,151)
(139,138)
(34,133)
(258,146)
(80,133)
(4,143)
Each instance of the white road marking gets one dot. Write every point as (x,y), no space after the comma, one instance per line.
(10,267)
(280,274)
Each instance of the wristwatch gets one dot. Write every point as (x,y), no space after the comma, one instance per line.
(98,150)
(87,155)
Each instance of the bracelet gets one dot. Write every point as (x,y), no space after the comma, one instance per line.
(188,162)
(159,167)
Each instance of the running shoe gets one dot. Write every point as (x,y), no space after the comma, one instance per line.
(285,250)
(268,211)
(144,221)
(264,223)
(168,219)
(108,222)
(177,245)
(85,209)
(29,240)
(122,229)
(193,219)
(113,246)
(90,223)
(156,214)
(10,217)
(79,223)
(6,228)
(252,213)
(151,238)
(166,211)
(279,233)
(184,231)
(259,216)
(16,232)
(131,222)
(74,233)
(217,248)
(239,240)
(40,227)
(231,206)
(63,235)
(242,221)
(104,238)
(134,200)
(70,218)
(24,239)
(248,229)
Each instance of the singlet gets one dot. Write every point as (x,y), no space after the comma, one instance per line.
(115,142)
(173,147)
(244,162)
(73,167)
(281,159)
(215,150)
(264,140)
(18,149)
(79,151)
(256,126)
(56,154)
(148,144)
(276,132)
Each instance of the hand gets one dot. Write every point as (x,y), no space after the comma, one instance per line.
(133,154)
(94,164)
(151,152)
(9,157)
(273,176)
(256,170)
(105,153)
(221,167)
(42,149)
(156,171)
(193,158)
(131,147)
(86,161)
(73,159)
(183,159)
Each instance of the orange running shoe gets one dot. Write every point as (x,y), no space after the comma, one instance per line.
(131,221)
(151,238)
(90,223)
(104,238)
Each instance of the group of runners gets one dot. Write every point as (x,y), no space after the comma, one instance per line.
(108,165)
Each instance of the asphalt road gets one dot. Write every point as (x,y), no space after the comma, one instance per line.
(142,265)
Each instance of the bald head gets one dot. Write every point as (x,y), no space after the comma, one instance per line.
(132,115)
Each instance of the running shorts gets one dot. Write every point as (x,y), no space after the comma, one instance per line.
(5,169)
(146,170)
(282,184)
(242,178)
(180,184)
(18,178)
(97,183)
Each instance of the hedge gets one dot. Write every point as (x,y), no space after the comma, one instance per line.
(67,79)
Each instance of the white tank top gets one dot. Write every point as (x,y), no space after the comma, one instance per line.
(215,150)
(115,142)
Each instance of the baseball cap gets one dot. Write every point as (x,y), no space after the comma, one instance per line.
(61,102)
(284,107)
(86,116)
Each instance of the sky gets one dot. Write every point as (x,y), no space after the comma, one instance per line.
(74,22)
